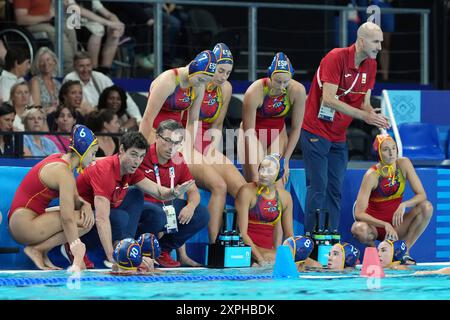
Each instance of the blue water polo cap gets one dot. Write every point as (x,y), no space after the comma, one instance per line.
(350,254)
(204,62)
(280,63)
(223,54)
(82,139)
(149,245)
(399,249)
(301,247)
(127,254)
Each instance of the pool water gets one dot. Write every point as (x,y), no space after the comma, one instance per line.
(309,286)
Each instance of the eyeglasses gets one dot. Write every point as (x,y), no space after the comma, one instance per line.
(170,141)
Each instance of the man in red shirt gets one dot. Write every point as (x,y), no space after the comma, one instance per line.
(167,167)
(107,186)
(340,91)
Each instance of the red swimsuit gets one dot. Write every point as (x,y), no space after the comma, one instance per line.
(386,198)
(32,193)
(270,116)
(180,100)
(262,219)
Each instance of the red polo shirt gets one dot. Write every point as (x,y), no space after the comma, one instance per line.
(103,179)
(338,67)
(147,167)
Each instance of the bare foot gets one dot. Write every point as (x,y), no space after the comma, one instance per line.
(49,264)
(36,256)
(188,262)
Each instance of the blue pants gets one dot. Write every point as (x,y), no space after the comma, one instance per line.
(325,166)
(124,219)
(153,220)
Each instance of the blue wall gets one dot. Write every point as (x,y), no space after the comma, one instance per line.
(434,245)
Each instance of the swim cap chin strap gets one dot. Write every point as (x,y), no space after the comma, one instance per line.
(82,156)
(390,167)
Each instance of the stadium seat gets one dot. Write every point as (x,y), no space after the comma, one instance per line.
(421,141)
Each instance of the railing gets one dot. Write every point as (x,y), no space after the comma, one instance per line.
(18,139)
(386,108)
(253,8)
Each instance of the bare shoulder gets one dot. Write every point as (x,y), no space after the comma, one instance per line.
(167,78)
(404,163)
(247,188)
(296,87)
(55,173)
(285,195)
(227,88)
(255,88)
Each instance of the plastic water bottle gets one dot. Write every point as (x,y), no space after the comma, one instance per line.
(324,248)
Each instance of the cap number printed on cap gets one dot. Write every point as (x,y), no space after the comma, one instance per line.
(307,243)
(134,252)
(82,133)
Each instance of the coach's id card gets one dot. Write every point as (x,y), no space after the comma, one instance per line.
(326,113)
(171,226)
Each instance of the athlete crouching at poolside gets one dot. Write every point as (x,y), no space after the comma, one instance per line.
(380,209)
(40,231)
(261,206)
(392,254)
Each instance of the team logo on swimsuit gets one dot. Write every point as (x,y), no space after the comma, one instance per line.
(389,186)
(276,107)
(185,98)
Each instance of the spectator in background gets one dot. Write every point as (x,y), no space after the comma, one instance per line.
(20,100)
(71,96)
(139,24)
(2,54)
(37,16)
(7,115)
(95,18)
(105,121)
(34,120)
(94,82)
(17,65)
(114,98)
(44,86)
(65,119)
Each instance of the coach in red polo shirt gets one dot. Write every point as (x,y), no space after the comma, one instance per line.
(166,166)
(340,91)
(107,186)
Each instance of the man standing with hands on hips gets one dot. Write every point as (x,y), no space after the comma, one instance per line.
(340,91)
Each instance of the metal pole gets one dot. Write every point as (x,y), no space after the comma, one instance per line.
(424,52)
(252,42)
(343,29)
(59,28)
(158,39)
